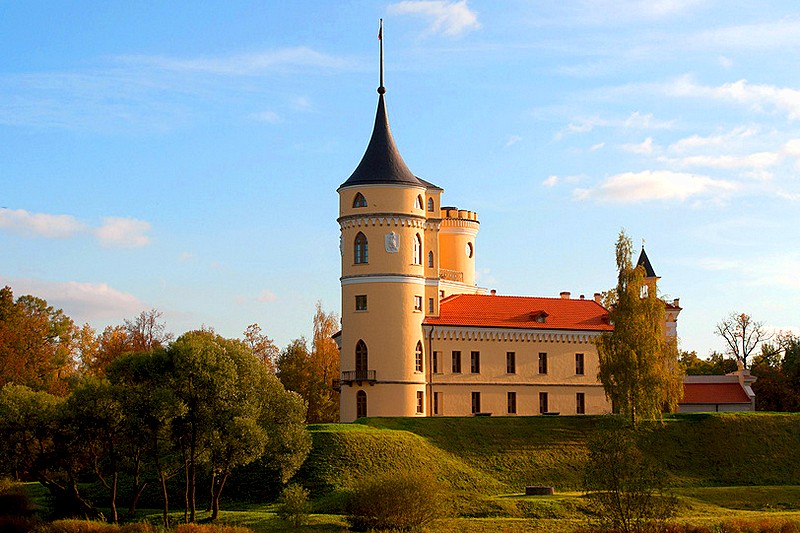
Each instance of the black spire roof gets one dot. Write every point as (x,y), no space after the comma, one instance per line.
(645,262)
(382,162)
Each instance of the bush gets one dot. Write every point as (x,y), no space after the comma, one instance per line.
(625,487)
(294,506)
(14,499)
(396,500)
(211,528)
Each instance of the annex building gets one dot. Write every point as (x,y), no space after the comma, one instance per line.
(419,338)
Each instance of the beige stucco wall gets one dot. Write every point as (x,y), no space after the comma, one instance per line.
(456,400)
(384,399)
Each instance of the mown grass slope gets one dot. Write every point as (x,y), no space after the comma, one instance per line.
(501,455)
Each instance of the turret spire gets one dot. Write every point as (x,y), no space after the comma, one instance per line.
(381,88)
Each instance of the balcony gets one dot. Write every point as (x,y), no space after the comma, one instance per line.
(451,275)
(355,376)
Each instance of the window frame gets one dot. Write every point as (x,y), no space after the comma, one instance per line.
(361,302)
(511,402)
(475,362)
(361,400)
(543,363)
(580,364)
(417,302)
(417,258)
(358,204)
(420,402)
(418,359)
(580,403)
(456,368)
(544,403)
(511,362)
(435,362)
(430,204)
(361,249)
(476,402)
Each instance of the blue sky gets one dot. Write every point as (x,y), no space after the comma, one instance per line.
(184,156)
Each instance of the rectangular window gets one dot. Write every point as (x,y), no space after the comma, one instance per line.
(511,363)
(456,362)
(417,303)
(475,362)
(476,402)
(512,403)
(430,306)
(542,363)
(361,302)
(437,403)
(580,405)
(420,402)
(543,403)
(435,362)
(579,364)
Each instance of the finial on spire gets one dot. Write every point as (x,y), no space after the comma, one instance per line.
(381,88)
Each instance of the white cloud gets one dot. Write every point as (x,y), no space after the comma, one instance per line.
(44,225)
(726,139)
(512,140)
(80,301)
(643,148)
(551,181)
(301,103)
(760,160)
(243,64)
(267,296)
(596,147)
(444,17)
(631,187)
(115,231)
(123,232)
(773,34)
(646,121)
(760,98)
(774,270)
(725,62)
(266,116)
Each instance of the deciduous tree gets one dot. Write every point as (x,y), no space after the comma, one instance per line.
(742,335)
(638,367)
(261,346)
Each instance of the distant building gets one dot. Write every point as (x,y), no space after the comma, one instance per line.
(731,392)
(419,338)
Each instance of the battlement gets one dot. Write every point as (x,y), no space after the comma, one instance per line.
(458,214)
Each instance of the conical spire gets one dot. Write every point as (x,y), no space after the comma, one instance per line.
(382,162)
(644,261)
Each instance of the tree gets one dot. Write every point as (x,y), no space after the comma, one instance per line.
(36,344)
(742,335)
(638,367)
(716,364)
(147,332)
(261,346)
(325,364)
(296,372)
(624,486)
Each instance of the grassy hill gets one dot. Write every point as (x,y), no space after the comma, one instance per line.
(493,456)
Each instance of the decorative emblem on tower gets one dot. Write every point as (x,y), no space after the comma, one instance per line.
(392,242)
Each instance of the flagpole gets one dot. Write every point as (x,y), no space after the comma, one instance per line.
(381,88)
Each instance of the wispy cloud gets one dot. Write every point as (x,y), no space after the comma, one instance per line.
(512,140)
(759,98)
(81,301)
(649,185)
(643,148)
(444,17)
(771,270)
(242,64)
(123,232)
(270,117)
(760,161)
(113,232)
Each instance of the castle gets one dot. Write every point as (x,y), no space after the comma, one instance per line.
(419,338)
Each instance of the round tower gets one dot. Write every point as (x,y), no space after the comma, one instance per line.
(457,234)
(382,218)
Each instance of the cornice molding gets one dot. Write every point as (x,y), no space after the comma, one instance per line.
(381,219)
(469,333)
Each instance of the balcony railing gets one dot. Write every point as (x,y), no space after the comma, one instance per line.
(451,275)
(357,376)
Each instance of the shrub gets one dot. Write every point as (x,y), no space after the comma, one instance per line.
(294,506)
(396,500)
(211,528)
(625,487)
(14,499)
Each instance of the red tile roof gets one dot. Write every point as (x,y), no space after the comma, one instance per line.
(714,393)
(492,311)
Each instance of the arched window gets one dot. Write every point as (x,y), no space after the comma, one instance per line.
(469,250)
(417,249)
(359,200)
(361,404)
(418,202)
(362,362)
(361,249)
(430,205)
(430,259)
(418,357)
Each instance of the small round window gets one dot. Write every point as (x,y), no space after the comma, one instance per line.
(468,249)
